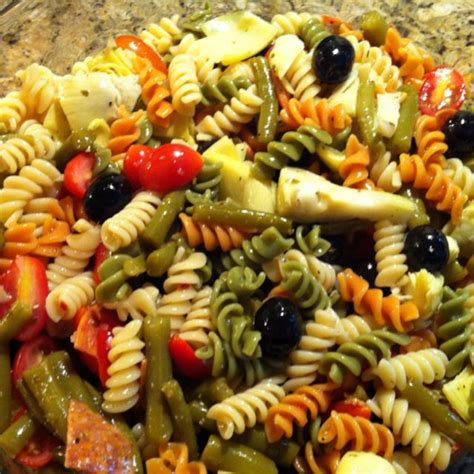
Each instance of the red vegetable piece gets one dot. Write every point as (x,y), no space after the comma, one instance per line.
(442,88)
(135,157)
(170,167)
(104,338)
(353,407)
(39,450)
(25,281)
(78,174)
(101,253)
(186,361)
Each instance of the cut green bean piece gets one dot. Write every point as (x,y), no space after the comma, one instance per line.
(13,321)
(17,435)
(5,387)
(212,390)
(366,112)
(33,408)
(79,140)
(374,26)
(158,262)
(199,411)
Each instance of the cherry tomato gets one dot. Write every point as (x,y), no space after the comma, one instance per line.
(139,47)
(31,353)
(39,450)
(101,253)
(170,167)
(25,281)
(135,157)
(442,88)
(353,407)
(104,338)
(185,360)
(78,174)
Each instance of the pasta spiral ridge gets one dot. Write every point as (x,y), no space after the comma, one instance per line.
(124,132)
(290,147)
(313,32)
(385,174)
(205,186)
(174,458)
(43,142)
(185,90)
(430,139)
(245,409)
(124,227)
(353,326)
(39,209)
(342,428)
(295,408)
(64,301)
(75,255)
(111,60)
(319,336)
(161,36)
(223,90)
(371,302)
(461,175)
(389,241)
(125,356)
(244,282)
(310,242)
(290,23)
(411,428)
(317,463)
(424,366)
(12,112)
(239,111)
(351,356)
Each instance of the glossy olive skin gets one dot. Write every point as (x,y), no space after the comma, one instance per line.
(107,195)
(281,325)
(426,247)
(367,269)
(459,131)
(333,59)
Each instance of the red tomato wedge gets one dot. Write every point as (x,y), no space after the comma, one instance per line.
(78,174)
(31,353)
(186,361)
(39,450)
(442,88)
(25,281)
(140,48)
(353,407)
(134,159)
(101,253)
(104,338)
(171,166)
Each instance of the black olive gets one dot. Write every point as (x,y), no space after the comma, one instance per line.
(280,323)
(459,131)
(335,254)
(426,247)
(462,463)
(107,195)
(333,59)
(367,270)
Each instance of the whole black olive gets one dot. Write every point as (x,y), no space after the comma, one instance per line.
(333,59)
(459,131)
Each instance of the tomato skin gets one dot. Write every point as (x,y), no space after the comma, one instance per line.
(135,157)
(101,253)
(170,167)
(442,88)
(186,361)
(353,407)
(25,281)
(140,48)
(104,338)
(78,174)
(39,450)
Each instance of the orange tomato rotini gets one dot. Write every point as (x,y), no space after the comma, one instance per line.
(72,209)
(422,339)
(174,459)
(52,238)
(20,239)
(124,131)
(318,463)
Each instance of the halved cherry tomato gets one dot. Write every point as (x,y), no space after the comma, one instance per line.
(135,157)
(25,281)
(31,353)
(185,360)
(78,174)
(353,407)
(139,47)
(442,88)
(104,338)
(101,253)
(170,167)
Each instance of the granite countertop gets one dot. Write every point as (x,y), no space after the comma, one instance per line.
(57,33)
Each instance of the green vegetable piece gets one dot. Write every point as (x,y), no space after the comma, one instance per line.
(79,140)
(146,130)
(229,456)
(135,266)
(33,408)
(157,230)
(158,262)
(221,214)
(5,387)
(17,435)
(13,321)
(213,390)
(374,26)
(198,411)
(365,112)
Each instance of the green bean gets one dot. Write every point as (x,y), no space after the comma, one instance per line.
(13,321)
(79,140)
(33,408)
(156,332)
(5,387)
(229,456)
(437,414)
(198,412)
(268,117)
(374,26)
(182,422)
(420,217)
(258,220)
(366,112)
(454,272)
(95,395)
(212,390)
(135,266)
(195,21)
(17,435)
(158,261)
(156,231)
(402,138)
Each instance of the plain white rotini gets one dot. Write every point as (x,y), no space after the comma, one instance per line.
(461,175)
(230,119)
(385,174)
(63,302)
(181,287)
(16,153)
(138,304)
(125,356)
(389,241)
(39,209)
(319,335)
(405,463)
(423,366)
(161,35)
(242,69)
(290,23)
(12,112)
(198,321)
(185,90)
(124,228)
(353,326)
(245,409)
(412,429)
(18,190)
(43,141)
(80,247)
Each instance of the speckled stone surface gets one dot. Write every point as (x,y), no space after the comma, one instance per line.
(56,33)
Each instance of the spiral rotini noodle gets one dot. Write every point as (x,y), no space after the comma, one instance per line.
(385,174)
(461,175)
(430,139)
(162,35)
(124,132)
(43,141)
(313,32)
(353,326)
(38,210)
(174,459)
(12,112)
(290,23)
